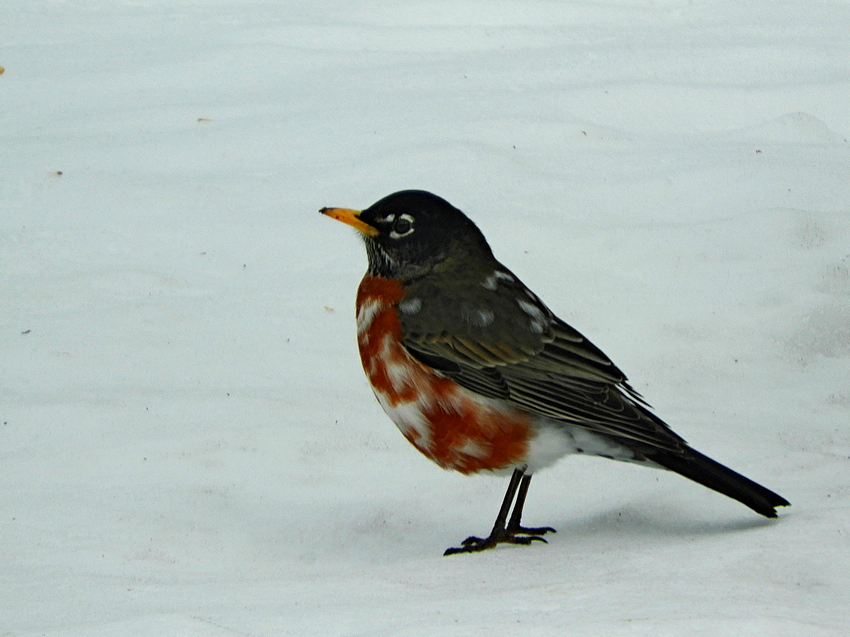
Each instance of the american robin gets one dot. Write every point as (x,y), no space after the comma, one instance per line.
(479,375)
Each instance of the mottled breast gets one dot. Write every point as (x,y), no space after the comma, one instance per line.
(449,424)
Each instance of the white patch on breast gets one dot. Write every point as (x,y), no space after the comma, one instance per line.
(398,373)
(409,419)
(473,449)
(366,314)
(401,372)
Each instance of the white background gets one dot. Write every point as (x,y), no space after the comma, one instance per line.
(187,443)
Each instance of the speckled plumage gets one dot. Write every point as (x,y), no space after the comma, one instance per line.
(480,375)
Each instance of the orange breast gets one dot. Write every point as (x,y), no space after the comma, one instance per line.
(452,426)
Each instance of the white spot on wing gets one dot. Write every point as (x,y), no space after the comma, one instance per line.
(480,318)
(538,317)
(410,306)
(492,281)
(487,317)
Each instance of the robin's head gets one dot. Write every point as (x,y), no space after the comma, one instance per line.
(411,233)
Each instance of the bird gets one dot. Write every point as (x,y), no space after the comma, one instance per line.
(481,376)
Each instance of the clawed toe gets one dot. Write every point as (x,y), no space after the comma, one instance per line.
(518,535)
(537,530)
(473,540)
(524,539)
(507,531)
(472,544)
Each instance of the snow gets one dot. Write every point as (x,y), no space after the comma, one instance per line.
(188,445)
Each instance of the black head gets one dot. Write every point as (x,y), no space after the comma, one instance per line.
(411,233)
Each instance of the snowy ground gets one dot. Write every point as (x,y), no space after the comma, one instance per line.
(187,443)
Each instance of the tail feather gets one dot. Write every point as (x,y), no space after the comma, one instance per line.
(707,472)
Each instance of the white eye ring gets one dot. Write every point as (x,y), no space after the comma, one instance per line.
(405,228)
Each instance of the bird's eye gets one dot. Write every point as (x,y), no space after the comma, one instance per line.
(402,227)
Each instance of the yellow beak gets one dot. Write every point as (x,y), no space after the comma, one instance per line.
(352,218)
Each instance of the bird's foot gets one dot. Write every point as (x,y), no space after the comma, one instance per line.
(511,535)
(535,531)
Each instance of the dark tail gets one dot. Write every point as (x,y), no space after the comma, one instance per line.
(699,468)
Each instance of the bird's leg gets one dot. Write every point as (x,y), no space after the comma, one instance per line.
(512,532)
(514,527)
(498,534)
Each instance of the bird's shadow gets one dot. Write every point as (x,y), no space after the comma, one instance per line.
(632,522)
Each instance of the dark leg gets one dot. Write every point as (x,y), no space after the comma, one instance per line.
(514,525)
(512,532)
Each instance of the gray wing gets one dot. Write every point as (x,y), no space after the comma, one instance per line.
(527,356)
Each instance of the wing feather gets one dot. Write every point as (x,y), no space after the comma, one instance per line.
(563,377)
